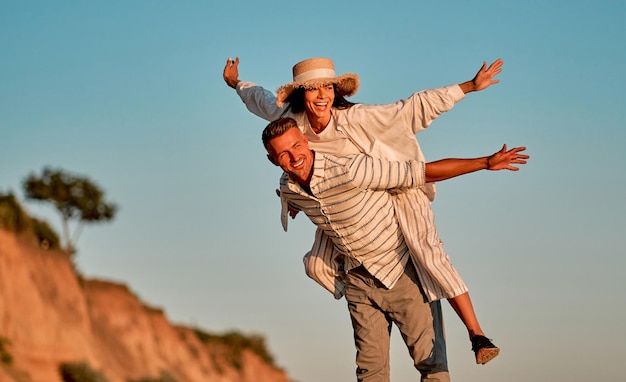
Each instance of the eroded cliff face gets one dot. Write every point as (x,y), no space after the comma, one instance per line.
(50,317)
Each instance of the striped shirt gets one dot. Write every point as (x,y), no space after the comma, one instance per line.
(350,202)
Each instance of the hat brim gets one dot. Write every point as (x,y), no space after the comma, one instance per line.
(347,85)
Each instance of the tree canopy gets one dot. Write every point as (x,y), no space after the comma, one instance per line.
(75,197)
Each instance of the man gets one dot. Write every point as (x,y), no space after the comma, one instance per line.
(348,199)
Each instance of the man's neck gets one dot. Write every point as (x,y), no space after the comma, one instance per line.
(306,184)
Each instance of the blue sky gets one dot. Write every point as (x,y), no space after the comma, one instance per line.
(130,93)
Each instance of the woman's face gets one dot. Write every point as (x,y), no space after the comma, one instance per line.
(319,101)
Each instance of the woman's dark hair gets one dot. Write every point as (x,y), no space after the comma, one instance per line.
(296,101)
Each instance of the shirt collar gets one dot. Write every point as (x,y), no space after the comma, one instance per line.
(318,165)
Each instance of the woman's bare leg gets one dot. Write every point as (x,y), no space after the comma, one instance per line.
(462,305)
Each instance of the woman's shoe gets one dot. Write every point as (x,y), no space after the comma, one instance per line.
(484,349)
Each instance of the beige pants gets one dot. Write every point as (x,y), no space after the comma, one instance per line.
(373,308)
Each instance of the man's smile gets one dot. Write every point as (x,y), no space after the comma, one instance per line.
(298,164)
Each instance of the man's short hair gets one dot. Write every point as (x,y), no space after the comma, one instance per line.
(277,128)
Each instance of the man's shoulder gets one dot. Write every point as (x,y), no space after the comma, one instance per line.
(338,159)
(348,161)
(329,166)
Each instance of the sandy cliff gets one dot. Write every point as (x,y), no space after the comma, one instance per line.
(49,316)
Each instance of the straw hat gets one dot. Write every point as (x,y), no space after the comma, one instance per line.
(316,72)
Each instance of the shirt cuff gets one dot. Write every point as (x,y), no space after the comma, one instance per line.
(456,92)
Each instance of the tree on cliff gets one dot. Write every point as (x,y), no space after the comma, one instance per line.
(74,197)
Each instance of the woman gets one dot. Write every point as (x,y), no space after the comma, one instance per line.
(316,100)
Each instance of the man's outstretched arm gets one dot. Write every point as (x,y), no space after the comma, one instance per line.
(451,167)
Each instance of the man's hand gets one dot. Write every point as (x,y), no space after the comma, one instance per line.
(504,160)
(484,78)
(231,72)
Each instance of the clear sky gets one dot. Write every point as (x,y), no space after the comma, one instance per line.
(130,94)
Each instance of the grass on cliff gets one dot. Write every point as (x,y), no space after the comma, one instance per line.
(15,219)
(236,343)
(83,372)
(80,372)
(5,357)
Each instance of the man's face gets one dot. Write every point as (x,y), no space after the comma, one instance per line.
(291,152)
(319,101)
